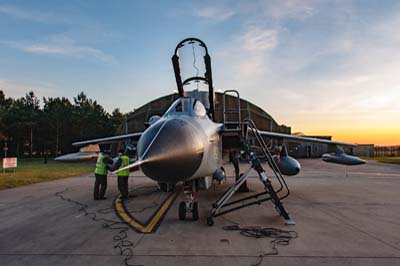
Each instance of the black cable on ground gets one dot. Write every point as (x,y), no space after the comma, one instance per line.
(124,246)
(278,236)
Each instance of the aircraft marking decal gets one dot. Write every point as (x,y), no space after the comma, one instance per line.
(152,224)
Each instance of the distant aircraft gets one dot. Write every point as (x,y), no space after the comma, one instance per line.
(186,145)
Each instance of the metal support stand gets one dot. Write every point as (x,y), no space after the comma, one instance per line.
(228,194)
(222,202)
(269,194)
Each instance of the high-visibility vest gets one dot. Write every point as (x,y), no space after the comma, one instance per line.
(100,165)
(125,162)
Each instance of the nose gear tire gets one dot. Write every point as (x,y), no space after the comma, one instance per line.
(182,210)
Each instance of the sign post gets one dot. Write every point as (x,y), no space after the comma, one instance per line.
(5,149)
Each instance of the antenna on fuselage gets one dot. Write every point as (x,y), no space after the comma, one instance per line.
(207,75)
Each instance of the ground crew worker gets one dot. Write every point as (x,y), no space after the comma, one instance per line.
(123,176)
(100,184)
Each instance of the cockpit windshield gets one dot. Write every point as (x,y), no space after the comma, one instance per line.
(187,106)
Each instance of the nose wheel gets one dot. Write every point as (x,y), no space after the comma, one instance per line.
(190,205)
(184,208)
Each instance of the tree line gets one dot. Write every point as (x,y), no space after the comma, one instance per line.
(32,128)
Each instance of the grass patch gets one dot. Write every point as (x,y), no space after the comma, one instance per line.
(32,171)
(395,160)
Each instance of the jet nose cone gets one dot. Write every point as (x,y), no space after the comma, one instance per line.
(171,150)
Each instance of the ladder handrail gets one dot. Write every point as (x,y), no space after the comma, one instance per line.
(268,155)
(230,111)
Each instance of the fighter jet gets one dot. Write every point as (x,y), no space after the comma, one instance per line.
(186,145)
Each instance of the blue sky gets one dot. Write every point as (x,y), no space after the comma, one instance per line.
(322,67)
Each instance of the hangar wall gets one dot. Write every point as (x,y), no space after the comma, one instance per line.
(308,150)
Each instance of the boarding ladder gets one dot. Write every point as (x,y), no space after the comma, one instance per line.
(232,127)
(231,116)
(252,139)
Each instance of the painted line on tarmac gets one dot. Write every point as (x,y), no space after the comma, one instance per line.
(152,224)
(375,174)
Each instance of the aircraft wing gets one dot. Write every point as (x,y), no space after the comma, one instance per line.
(77,157)
(338,156)
(276,135)
(110,139)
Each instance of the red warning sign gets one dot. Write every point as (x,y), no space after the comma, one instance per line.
(9,162)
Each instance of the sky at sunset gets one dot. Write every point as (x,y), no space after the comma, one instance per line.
(321,67)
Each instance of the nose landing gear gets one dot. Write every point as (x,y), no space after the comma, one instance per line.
(190,204)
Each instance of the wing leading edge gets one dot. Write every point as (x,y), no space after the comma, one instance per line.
(110,139)
(91,148)
(304,139)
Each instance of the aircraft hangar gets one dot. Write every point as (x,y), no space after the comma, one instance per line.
(136,120)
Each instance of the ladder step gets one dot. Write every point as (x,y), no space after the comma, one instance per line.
(232,126)
(231,112)
(229,129)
